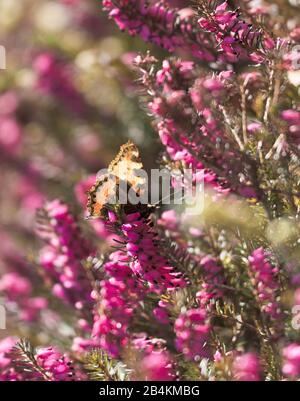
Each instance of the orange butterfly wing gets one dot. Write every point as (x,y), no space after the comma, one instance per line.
(123,168)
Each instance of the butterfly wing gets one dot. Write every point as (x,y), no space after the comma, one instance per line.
(126,166)
(100,194)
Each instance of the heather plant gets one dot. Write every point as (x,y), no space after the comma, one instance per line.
(145,292)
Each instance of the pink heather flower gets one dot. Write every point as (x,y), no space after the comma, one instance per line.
(196,232)
(62,257)
(87,145)
(7,370)
(161,24)
(292,116)
(10,130)
(6,346)
(128,59)
(54,78)
(172,120)
(192,334)
(84,17)
(169,221)
(9,102)
(11,255)
(291,360)
(259,9)
(211,287)
(147,260)
(17,288)
(246,367)
(155,362)
(197,143)
(147,344)
(265,282)
(254,127)
(120,293)
(71,2)
(82,187)
(32,307)
(217,356)
(297,297)
(295,34)
(253,77)
(29,196)
(157,366)
(290,60)
(161,315)
(157,106)
(236,38)
(213,85)
(15,285)
(82,345)
(295,279)
(58,367)
(122,289)
(10,135)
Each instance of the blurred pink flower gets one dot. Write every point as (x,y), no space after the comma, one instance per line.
(10,135)
(58,367)
(15,285)
(254,127)
(192,334)
(9,102)
(246,367)
(6,346)
(291,360)
(157,366)
(56,78)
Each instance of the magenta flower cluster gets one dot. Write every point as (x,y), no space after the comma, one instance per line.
(291,360)
(161,24)
(246,367)
(55,79)
(55,366)
(212,287)
(292,118)
(48,365)
(142,244)
(265,282)
(18,291)
(130,275)
(62,256)
(192,334)
(119,296)
(236,38)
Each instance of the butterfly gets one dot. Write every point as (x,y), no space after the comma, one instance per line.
(123,169)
